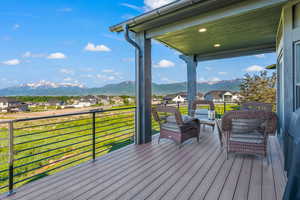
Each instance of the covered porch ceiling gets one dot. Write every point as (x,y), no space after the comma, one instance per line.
(257,30)
(232,28)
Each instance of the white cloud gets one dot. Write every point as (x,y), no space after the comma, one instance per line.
(93,47)
(12,62)
(254,68)
(149,5)
(66,71)
(164,64)
(222,73)
(111,72)
(137,8)
(29,54)
(107,71)
(109,75)
(57,55)
(16,26)
(260,56)
(152,4)
(215,79)
(65,10)
(68,79)
(106,77)
(87,76)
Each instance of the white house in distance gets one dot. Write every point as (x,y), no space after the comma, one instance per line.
(179,99)
(222,96)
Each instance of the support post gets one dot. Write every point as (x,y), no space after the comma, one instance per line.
(94,135)
(11,159)
(191,62)
(143,90)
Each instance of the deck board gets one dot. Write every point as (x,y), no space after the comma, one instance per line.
(89,179)
(164,171)
(255,185)
(165,188)
(230,186)
(243,180)
(148,186)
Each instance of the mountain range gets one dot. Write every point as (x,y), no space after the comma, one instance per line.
(44,88)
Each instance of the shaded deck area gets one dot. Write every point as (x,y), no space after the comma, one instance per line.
(163,171)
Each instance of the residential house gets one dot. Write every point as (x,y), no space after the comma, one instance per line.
(117,100)
(220,96)
(93,100)
(236,97)
(104,100)
(180,97)
(9,104)
(200,96)
(156,100)
(54,102)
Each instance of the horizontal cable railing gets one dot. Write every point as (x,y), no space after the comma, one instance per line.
(33,148)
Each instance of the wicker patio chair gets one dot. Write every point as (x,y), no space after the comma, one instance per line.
(174,126)
(202,114)
(248,131)
(257,106)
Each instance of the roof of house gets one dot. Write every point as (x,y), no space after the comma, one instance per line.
(172,96)
(216,93)
(199,94)
(8,100)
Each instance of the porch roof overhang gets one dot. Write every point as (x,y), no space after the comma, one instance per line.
(241,27)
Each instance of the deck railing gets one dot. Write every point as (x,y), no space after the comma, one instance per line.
(33,148)
(36,147)
(220,107)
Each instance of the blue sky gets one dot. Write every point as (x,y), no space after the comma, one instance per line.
(68,41)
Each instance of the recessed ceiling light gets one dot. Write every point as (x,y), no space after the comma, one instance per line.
(202,30)
(217,45)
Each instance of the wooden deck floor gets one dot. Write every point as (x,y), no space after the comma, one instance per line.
(163,171)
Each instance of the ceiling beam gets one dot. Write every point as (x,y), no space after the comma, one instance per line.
(266,48)
(234,10)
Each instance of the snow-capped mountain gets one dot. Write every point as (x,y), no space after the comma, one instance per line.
(48,84)
(46,88)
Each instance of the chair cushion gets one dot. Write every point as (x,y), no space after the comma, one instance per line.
(171,126)
(185,118)
(245,126)
(201,112)
(205,114)
(250,137)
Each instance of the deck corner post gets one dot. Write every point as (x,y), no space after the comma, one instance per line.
(191,63)
(11,158)
(94,135)
(143,121)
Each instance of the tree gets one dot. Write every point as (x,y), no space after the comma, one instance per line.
(259,87)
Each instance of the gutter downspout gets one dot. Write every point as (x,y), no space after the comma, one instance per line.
(129,40)
(137,81)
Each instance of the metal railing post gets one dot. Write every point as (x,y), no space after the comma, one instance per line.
(94,135)
(11,158)
(224,107)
